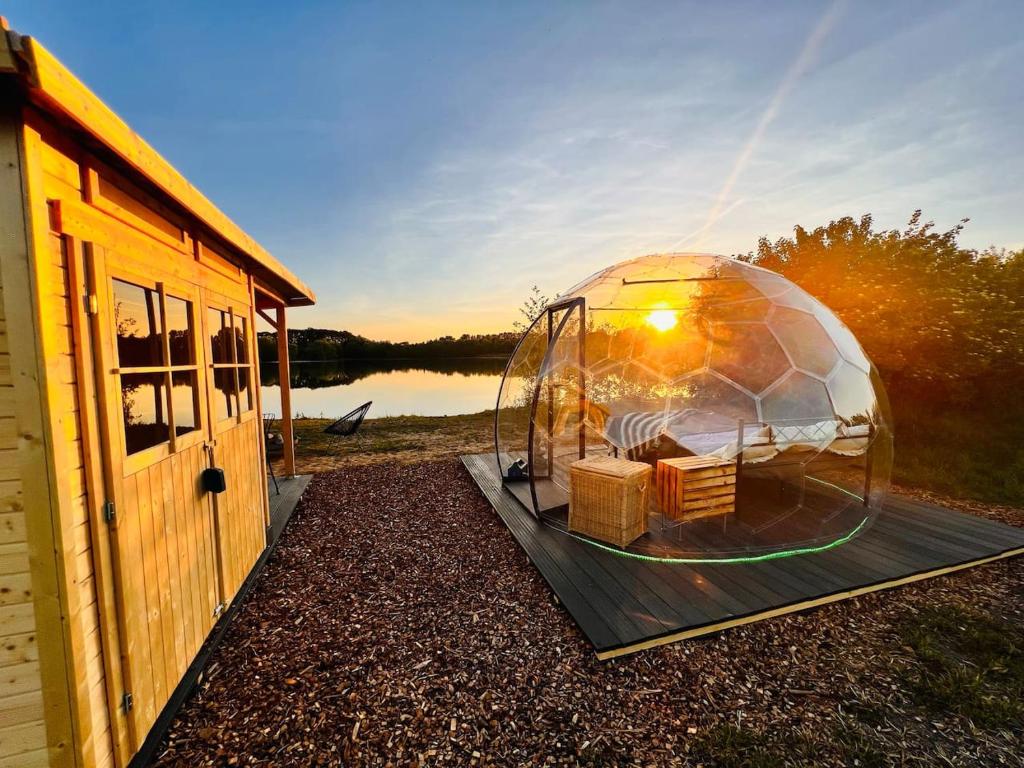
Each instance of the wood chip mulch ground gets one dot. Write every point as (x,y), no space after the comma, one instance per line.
(398,623)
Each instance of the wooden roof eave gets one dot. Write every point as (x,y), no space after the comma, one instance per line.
(54,89)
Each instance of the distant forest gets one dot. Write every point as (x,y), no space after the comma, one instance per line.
(334,373)
(322,344)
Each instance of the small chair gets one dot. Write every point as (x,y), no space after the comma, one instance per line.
(349,424)
(597,415)
(594,414)
(268,426)
(268,422)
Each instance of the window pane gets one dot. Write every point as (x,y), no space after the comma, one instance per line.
(748,354)
(220,336)
(798,397)
(244,389)
(224,392)
(241,340)
(179,328)
(183,400)
(144,403)
(137,323)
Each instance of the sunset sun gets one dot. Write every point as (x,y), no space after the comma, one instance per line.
(662,319)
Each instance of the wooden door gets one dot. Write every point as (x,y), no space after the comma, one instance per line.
(240,511)
(151,379)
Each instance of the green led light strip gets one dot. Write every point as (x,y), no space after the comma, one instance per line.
(837,487)
(723,560)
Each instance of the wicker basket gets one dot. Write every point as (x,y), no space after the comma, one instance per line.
(608,498)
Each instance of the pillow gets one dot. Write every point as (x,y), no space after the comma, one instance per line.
(855,430)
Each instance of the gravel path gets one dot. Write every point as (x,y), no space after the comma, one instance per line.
(398,623)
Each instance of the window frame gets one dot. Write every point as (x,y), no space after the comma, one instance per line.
(175,443)
(229,308)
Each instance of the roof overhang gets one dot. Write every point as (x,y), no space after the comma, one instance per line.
(52,88)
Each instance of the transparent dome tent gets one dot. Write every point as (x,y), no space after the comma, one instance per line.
(696,360)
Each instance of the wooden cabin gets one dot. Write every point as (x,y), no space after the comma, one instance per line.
(128,368)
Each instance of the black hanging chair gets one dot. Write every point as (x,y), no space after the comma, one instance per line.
(349,424)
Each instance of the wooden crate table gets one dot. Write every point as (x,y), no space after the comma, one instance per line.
(608,498)
(692,487)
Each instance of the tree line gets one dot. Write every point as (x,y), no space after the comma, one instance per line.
(944,325)
(323,344)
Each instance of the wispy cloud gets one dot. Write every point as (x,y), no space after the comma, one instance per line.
(800,65)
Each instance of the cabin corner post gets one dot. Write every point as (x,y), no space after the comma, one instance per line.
(285,379)
(23,221)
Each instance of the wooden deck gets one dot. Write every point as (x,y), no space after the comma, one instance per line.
(624,605)
(283,504)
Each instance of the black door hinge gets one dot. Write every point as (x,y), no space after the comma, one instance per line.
(127,702)
(108,511)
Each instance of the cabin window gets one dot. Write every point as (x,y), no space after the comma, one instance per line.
(137,318)
(179,331)
(244,365)
(156,365)
(232,368)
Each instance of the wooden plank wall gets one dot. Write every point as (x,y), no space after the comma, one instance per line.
(60,641)
(62,180)
(174,588)
(22,730)
(240,516)
(23,735)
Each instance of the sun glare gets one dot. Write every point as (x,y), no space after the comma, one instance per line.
(662,319)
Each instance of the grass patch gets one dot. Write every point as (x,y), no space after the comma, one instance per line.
(971,664)
(731,747)
(866,713)
(987,462)
(727,746)
(409,437)
(858,748)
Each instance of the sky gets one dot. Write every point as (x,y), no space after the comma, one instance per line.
(422,165)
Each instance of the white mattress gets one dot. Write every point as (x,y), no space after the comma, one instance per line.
(704,433)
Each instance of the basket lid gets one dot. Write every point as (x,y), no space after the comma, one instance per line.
(611,466)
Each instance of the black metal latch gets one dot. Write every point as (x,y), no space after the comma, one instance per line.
(213,480)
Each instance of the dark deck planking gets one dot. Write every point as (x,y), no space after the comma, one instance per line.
(623,605)
(283,504)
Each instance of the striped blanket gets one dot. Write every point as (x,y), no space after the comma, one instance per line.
(636,431)
(705,434)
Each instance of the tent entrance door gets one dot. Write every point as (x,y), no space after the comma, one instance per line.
(557,434)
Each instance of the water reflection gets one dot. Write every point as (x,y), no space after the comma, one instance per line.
(443,387)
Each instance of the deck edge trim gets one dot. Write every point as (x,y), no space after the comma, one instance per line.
(835,597)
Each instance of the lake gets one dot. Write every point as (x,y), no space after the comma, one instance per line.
(445,387)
